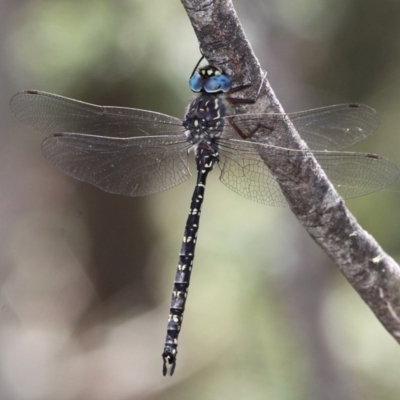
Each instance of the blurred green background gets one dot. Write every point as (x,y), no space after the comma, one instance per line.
(86,276)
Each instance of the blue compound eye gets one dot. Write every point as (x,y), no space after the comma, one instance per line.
(210,79)
(218,83)
(196,82)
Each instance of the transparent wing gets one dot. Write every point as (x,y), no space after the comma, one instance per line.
(129,166)
(328,128)
(352,174)
(249,177)
(49,113)
(137,152)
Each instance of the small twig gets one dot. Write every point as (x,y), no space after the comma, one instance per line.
(371,272)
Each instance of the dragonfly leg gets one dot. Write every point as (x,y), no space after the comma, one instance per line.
(241,133)
(251,100)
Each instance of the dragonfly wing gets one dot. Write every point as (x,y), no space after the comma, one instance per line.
(353,174)
(251,179)
(49,113)
(335,127)
(357,174)
(328,128)
(129,166)
(244,172)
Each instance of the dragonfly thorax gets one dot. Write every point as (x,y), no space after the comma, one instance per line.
(204,118)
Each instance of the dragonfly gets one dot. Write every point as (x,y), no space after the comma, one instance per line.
(136,152)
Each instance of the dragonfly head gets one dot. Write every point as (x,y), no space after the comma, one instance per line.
(209,79)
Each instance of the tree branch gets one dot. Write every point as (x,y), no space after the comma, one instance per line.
(310,195)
